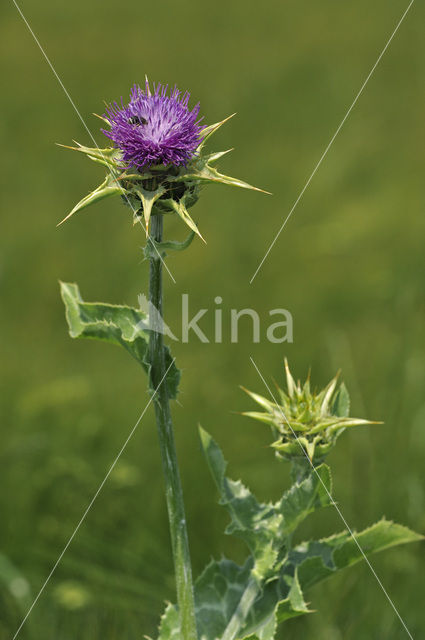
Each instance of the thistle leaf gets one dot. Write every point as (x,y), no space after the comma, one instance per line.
(109,187)
(218,593)
(248,602)
(208,131)
(108,153)
(213,157)
(201,171)
(261,417)
(257,524)
(342,423)
(341,405)
(317,560)
(290,382)
(110,157)
(328,392)
(265,527)
(305,497)
(153,248)
(148,199)
(263,402)
(180,208)
(117,324)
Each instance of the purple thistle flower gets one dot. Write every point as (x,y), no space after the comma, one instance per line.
(155,128)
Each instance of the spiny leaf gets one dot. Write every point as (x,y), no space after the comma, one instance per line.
(263,402)
(257,524)
(318,559)
(169,628)
(341,404)
(328,392)
(109,157)
(248,602)
(213,157)
(201,171)
(314,561)
(218,591)
(261,417)
(180,208)
(281,599)
(218,594)
(148,199)
(208,131)
(153,248)
(290,382)
(303,498)
(265,527)
(109,187)
(342,424)
(117,324)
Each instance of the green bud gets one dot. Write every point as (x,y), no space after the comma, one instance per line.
(306,424)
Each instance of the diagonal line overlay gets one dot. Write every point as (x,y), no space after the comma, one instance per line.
(322,157)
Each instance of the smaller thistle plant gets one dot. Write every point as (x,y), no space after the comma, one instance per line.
(248,601)
(306,424)
(157,164)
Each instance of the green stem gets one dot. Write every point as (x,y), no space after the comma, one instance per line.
(173,489)
(300,468)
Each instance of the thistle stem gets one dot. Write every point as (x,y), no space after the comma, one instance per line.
(173,488)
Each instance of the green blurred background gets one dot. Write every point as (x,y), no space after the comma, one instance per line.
(349,266)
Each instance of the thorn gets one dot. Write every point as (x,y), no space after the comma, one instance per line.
(219,124)
(244,389)
(65,146)
(102,118)
(268,193)
(275,384)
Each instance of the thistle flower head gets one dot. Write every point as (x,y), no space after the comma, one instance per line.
(158,162)
(305,423)
(154,127)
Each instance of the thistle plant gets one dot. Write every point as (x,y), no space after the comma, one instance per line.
(157,164)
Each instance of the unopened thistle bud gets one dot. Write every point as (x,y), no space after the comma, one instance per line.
(306,424)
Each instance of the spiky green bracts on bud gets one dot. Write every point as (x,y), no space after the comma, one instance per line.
(152,188)
(306,424)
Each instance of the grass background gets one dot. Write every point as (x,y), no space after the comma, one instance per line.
(349,266)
